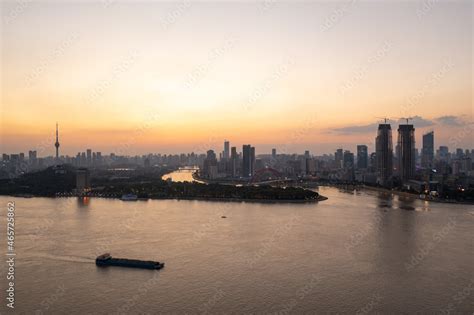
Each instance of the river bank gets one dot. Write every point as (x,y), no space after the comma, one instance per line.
(414,196)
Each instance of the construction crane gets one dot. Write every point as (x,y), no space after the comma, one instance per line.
(384,118)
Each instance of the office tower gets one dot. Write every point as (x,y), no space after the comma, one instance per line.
(22,157)
(348,159)
(443,153)
(384,154)
(210,165)
(427,152)
(89,157)
(32,158)
(459,153)
(5,157)
(83,158)
(252,161)
(226,150)
(348,165)
(99,158)
(362,157)
(406,160)
(234,157)
(338,156)
(248,160)
(274,153)
(56,144)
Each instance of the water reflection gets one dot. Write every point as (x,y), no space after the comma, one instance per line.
(83,202)
(406,203)
(385,200)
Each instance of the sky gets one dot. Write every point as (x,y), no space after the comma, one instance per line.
(182,76)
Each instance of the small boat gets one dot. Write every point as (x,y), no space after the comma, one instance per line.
(106,259)
(129,197)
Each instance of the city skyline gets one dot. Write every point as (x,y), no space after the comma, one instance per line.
(317,84)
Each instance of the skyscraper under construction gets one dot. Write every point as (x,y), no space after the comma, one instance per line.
(384,154)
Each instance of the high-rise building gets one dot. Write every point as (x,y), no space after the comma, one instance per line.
(443,153)
(406,160)
(234,157)
(252,161)
(89,157)
(210,165)
(248,160)
(384,154)
(99,158)
(32,158)
(338,156)
(274,153)
(427,152)
(348,159)
(226,150)
(362,157)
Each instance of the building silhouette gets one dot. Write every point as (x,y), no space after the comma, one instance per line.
(384,154)
(248,160)
(406,158)
(427,152)
(338,157)
(226,154)
(362,157)
(234,158)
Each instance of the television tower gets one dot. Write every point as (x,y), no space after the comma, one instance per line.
(56,144)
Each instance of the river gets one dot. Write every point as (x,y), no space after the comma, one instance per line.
(360,251)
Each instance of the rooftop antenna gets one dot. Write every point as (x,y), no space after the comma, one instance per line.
(384,118)
(406,118)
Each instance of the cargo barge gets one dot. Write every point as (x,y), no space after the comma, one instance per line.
(105,260)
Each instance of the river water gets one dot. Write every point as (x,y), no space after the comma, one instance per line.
(355,252)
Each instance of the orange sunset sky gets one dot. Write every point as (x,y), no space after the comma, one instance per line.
(183,76)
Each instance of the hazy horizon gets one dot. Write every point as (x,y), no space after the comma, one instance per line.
(183,76)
